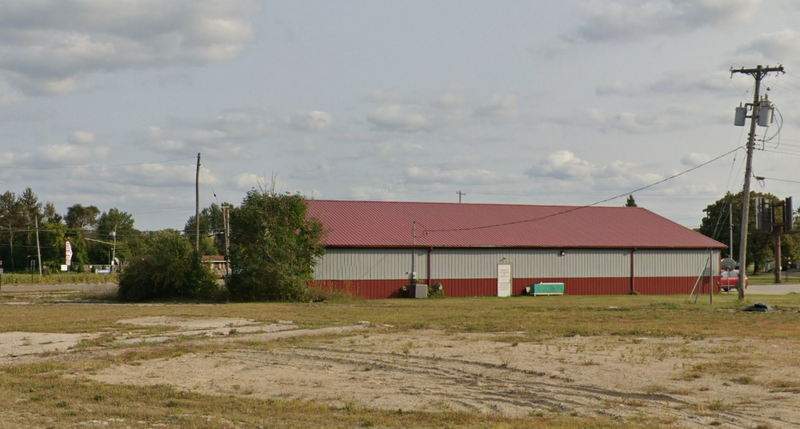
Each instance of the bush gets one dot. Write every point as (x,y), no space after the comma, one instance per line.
(273,248)
(168,268)
(436,291)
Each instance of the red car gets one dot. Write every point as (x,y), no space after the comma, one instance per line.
(730,280)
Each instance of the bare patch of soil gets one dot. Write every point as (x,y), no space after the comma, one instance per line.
(15,344)
(694,383)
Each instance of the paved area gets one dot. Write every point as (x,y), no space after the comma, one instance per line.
(780,289)
(95,287)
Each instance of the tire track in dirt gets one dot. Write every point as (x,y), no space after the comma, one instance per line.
(472,385)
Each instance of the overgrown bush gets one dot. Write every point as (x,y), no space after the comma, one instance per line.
(273,248)
(436,291)
(168,268)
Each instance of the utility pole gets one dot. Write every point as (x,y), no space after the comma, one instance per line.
(114,247)
(460,194)
(730,230)
(197,206)
(38,248)
(757,73)
(226,224)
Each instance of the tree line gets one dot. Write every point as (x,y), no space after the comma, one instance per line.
(90,232)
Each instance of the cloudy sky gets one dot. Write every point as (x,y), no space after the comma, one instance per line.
(538,102)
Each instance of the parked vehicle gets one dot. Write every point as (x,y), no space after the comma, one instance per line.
(729,279)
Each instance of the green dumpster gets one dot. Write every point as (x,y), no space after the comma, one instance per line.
(547,289)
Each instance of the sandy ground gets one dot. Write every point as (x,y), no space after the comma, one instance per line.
(736,383)
(691,383)
(16,344)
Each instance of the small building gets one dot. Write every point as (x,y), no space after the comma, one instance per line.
(371,247)
(217,264)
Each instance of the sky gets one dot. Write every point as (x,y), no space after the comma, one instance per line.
(107,103)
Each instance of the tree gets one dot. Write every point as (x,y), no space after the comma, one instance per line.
(10,215)
(18,215)
(81,218)
(630,202)
(168,268)
(274,247)
(212,226)
(113,225)
(715,225)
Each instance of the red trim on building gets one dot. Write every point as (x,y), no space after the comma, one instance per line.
(377,289)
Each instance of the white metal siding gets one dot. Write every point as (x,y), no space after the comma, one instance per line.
(482,263)
(390,264)
(370,264)
(674,263)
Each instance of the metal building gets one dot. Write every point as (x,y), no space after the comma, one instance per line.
(371,247)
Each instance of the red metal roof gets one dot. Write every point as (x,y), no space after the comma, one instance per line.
(389,224)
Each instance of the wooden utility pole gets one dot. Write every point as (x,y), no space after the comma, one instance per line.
(730,230)
(38,248)
(758,73)
(114,247)
(227,226)
(460,194)
(197,206)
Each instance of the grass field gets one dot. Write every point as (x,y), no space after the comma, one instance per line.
(58,278)
(56,389)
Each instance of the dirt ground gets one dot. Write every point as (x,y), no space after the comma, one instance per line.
(689,383)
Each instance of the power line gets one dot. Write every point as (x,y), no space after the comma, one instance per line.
(626,193)
(778,180)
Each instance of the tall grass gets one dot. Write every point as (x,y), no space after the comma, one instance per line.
(59,278)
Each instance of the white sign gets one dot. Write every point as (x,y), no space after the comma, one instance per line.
(68,253)
(503,279)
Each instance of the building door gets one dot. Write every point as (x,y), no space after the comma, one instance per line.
(503,279)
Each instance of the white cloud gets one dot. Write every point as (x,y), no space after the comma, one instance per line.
(6,158)
(316,171)
(777,46)
(399,118)
(9,96)
(223,135)
(565,166)
(156,174)
(628,121)
(393,151)
(66,153)
(374,194)
(416,174)
(313,120)
(614,88)
(81,137)
(694,83)
(47,46)
(248,181)
(694,159)
(499,107)
(630,20)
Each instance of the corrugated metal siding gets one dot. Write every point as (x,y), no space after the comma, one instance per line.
(673,285)
(482,263)
(673,263)
(369,289)
(579,285)
(370,264)
(376,289)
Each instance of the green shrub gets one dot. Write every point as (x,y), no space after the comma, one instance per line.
(436,291)
(273,248)
(168,268)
